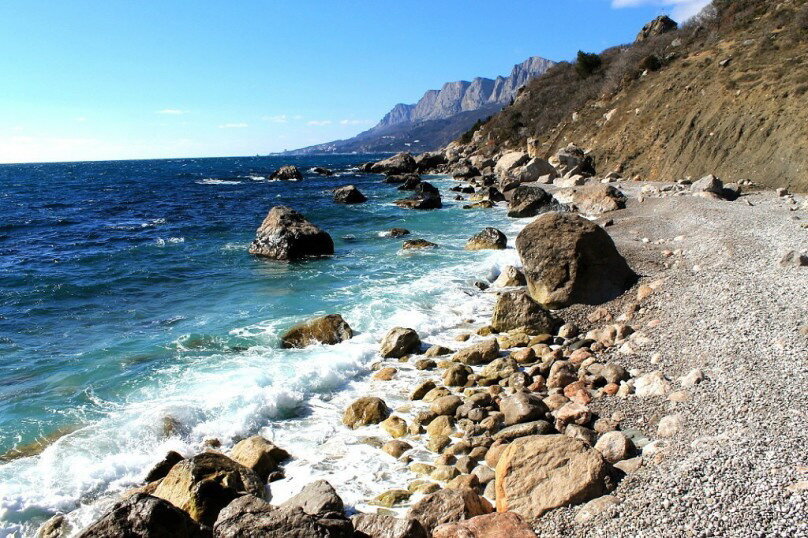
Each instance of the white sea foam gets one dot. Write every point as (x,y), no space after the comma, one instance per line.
(212,181)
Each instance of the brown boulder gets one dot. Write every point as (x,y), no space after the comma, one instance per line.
(488,239)
(448,506)
(329,330)
(287,173)
(597,198)
(480,353)
(497,525)
(258,454)
(286,235)
(516,309)
(570,260)
(144,516)
(250,517)
(539,473)
(399,342)
(349,194)
(381,526)
(364,411)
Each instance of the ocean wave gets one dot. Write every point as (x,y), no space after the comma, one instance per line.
(213,181)
(160,242)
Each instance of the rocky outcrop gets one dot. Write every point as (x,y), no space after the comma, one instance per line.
(287,173)
(144,516)
(531,201)
(286,235)
(449,506)
(570,260)
(401,163)
(349,194)
(259,454)
(206,483)
(488,239)
(381,526)
(398,342)
(539,473)
(517,310)
(498,525)
(661,25)
(329,330)
(364,411)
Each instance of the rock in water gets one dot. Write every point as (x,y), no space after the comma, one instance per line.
(488,239)
(516,309)
(426,196)
(364,411)
(144,516)
(381,526)
(570,260)
(539,473)
(398,342)
(259,454)
(287,173)
(449,506)
(163,466)
(206,483)
(402,163)
(415,244)
(498,525)
(286,235)
(322,171)
(349,194)
(531,201)
(329,330)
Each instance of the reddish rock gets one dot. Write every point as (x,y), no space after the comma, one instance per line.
(499,525)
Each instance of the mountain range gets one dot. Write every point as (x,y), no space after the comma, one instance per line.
(440,116)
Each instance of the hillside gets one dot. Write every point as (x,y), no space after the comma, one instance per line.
(724,94)
(439,116)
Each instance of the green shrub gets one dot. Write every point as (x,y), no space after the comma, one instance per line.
(587,63)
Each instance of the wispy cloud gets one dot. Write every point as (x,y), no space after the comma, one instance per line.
(319,123)
(354,122)
(280,118)
(681,10)
(233,126)
(172,112)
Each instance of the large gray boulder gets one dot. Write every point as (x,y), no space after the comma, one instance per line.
(286,235)
(509,162)
(381,526)
(532,201)
(488,239)
(570,260)
(402,163)
(449,506)
(400,341)
(349,194)
(661,25)
(144,516)
(329,330)
(250,517)
(287,173)
(318,497)
(516,309)
(534,169)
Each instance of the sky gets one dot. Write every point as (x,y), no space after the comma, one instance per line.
(116,79)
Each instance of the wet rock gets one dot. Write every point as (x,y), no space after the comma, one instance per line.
(396,447)
(286,235)
(397,232)
(391,498)
(287,173)
(570,260)
(320,171)
(349,194)
(54,527)
(614,446)
(398,342)
(504,525)
(144,516)
(395,426)
(385,374)
(259,454)
(488,239)
(364,411)
(510,277)
(448,506)
(437,351)
(531,201)
(422,389)
(381,526)
(516,310)
(426,196)
(162,467)
(537,474)
(206,483)
(480,353)
(329,330)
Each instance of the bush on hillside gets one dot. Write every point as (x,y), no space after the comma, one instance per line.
(587,63)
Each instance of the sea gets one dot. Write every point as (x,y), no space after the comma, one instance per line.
(133,321)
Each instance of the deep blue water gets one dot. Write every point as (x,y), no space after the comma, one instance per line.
(128,298)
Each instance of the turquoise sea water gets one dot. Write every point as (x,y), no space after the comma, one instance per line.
(133,320)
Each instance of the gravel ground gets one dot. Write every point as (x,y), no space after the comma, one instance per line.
(725,305)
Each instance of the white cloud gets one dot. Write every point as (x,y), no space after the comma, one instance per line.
(681,10)
(172,112)
(354,122)
(280,118)
(233,126)
(319,123)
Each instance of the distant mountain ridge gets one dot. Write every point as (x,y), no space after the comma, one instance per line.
(439,116)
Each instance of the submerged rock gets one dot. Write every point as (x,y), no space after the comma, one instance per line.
(329,330)
(287,173)
(570,260)
(397,232)
(286,235)
(349,194)
(144,516)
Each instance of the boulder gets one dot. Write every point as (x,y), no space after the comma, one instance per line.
(573,160)
(259,454)
(382,526)
(597,198)
(54,527)
(396,447)
(448,506)
(398,342)
(539,473)
(397,232)
(248,517)
(570,260)
(395,426)
(329,330)
(708,184)
(421,389)
(144,516)
(480,353)
(614,446)
(426,200)
(318,497)
(398,179)
(534,169)
(349,194)
(531,201)
(286,235)
(410,184)
(491,194)
(488,239)
(287,173)
(522,407)
(510,277)
(206,483)
(364,411)
(456,375)
(661,25)
(497,525)
(402,163)
(415,244)
(516,309)
(162,467)
(509,162)
(320,171)
(430,160)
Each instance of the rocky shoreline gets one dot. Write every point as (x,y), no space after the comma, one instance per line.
(549,418)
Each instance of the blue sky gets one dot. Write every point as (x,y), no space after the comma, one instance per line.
(114,79)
